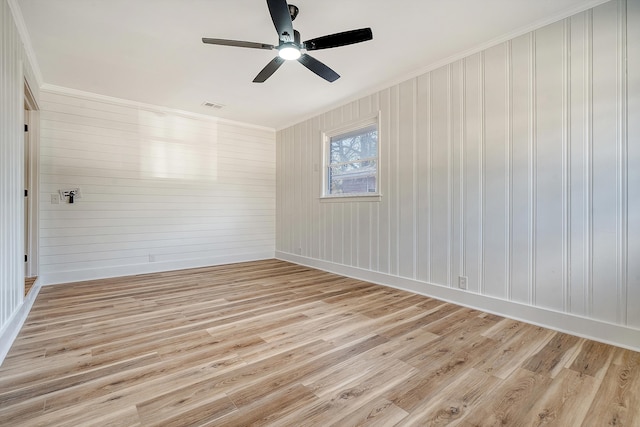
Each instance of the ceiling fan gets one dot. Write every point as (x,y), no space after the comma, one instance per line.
(290,47)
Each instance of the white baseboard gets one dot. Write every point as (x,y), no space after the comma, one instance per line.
(13,326)
(609,333)
(53,278)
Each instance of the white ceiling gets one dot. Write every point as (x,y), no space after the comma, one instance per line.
(150,51)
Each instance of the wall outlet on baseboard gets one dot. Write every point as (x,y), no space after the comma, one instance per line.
(462,282)
(152,258)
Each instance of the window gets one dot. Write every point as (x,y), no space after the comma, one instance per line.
(351,160)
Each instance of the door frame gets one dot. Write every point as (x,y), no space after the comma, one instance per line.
(32,181)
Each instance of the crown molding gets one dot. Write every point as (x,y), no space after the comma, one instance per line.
(61,90)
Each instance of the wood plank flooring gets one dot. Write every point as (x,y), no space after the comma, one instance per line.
(273,343)
(28,284)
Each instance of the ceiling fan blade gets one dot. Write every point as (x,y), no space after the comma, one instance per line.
(238,43)
(319,68)
(269,70)
(339,39)
(279,10)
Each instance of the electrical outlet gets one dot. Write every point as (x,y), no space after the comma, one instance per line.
(152,258)
(462,282)
(55,199)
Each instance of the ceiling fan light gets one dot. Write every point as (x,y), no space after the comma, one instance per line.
(289,52)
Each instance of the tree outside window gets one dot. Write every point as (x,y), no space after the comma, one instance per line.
(353,162)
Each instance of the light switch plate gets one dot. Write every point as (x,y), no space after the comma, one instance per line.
(65,193)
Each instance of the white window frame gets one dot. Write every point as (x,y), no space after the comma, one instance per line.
(361,123)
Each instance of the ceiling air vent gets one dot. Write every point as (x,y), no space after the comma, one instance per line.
(212,105)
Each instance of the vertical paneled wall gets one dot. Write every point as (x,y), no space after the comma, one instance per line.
(631,131)
(518,167)
(159,190)
(14,68)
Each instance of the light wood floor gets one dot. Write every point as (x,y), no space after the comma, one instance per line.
(272,343)
(28,284)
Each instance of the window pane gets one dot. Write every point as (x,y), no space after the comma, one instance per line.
(354,146)
(357,177)
(351,162)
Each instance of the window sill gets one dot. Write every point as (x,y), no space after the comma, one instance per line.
(351,198)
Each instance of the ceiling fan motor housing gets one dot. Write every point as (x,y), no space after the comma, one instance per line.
(293,11)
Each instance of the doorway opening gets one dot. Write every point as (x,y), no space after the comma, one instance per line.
(31,173)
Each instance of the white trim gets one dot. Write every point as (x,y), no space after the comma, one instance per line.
(353,125)
(75,93)
(29,97)
(32,119)
(14,324)
(155,267)
(453,58)
(609,333)
(373,197)
(26,40)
